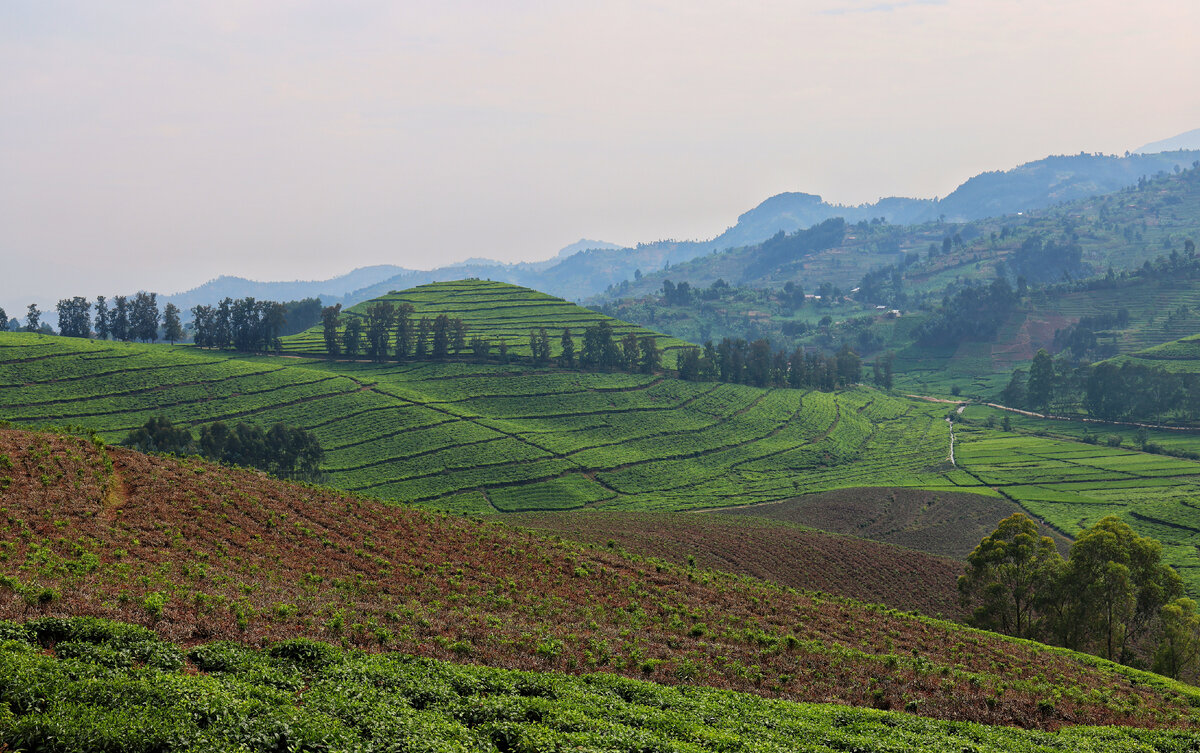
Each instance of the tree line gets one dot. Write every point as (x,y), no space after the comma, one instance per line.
(1129,391)
(738,362)
(1112,595)
(240,324)
(284,451)
(243,324)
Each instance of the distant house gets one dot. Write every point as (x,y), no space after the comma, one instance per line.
(893,314)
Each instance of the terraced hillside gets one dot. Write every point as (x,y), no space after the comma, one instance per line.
(486,438)
(201,552)
(1160,311)
(496,311)
(1181,355)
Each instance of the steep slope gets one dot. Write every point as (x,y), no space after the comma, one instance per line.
(781,552)
(202,552)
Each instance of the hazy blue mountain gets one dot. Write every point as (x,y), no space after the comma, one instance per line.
(1189,140)
(226,286)
(586,267)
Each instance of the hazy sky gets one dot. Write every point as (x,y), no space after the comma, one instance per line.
(158,144)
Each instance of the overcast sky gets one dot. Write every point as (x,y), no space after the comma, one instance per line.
(159,144)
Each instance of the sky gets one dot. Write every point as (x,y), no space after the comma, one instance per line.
(158,144)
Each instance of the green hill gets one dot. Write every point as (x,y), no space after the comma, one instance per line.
(488,438)
(495,311)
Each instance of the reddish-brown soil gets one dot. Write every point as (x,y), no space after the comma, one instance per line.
(202,552)
(948,524)
(784,553)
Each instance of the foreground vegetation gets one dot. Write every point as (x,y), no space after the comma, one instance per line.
(116,687)
(200,552)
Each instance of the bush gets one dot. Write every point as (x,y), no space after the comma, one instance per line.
(305,653)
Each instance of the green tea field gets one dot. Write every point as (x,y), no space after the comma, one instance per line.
(486,438)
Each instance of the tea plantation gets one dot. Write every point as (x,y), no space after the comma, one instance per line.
(116,687)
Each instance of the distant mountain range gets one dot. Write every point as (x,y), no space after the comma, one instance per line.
(588,267)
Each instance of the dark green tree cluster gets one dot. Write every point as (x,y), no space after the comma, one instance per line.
(1082,339)
(1048,260)
(389,330)
(136,319)
(1112,596)
(242,324)
(285,451)
(3,320)
(1107,391)
(739,362)
(974,313)
(74,317)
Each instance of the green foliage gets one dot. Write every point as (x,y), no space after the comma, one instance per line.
(1004,573)
(90,696)
(1107,596)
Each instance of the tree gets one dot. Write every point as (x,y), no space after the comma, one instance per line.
(441,337)
(629,352)
(160,435)
(144,317)
(849,366)
(458,339)
(1178,652)
(404,331)
(330,318)
(1003,574)
(567,345)
(481,348)
(651,359)
(120,319)
(352,337)
(33,318)
(421,344)
(73,317)
(379,326)
(3,321)
(1120,581)
(689,364)
(1040,387)
(172,327)
(103,328)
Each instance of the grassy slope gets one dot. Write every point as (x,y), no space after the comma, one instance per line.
(495,311)
(486,437)
(306,696)
(489,438)
(202,552)
(781,552)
